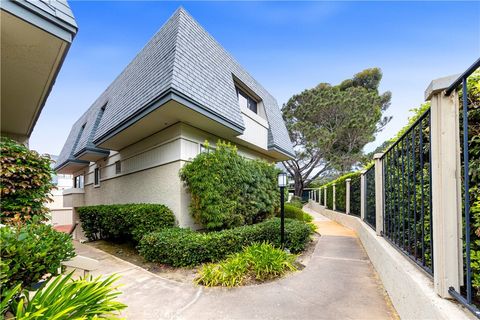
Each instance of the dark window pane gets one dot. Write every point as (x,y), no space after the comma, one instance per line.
(252,105)
(118,167)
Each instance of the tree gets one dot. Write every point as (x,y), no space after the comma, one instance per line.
(330,125)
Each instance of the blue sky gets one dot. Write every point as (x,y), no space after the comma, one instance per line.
(286,46)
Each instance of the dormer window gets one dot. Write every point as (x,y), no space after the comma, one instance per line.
(246,101)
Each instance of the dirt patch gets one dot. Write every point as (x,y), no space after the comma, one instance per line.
(127,252)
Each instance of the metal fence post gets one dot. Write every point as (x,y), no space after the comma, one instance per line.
(363,194)
(379,193)
(334,206)
(446,190)
(347,195)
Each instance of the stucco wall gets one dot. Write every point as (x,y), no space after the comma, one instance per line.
(155,185)
(149,171)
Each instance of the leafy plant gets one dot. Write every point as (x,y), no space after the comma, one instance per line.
(124,221)
(293,212)
(64,298)
(25,183)
(259,261)
(30,252)
(296,202)
(228,190)
(184,247)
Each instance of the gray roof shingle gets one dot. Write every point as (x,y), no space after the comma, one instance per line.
(183,57)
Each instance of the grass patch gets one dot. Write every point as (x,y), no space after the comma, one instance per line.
(257,262)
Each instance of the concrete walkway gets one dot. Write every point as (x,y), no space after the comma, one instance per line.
(339,282)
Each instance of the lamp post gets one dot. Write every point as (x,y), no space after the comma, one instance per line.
(282,183)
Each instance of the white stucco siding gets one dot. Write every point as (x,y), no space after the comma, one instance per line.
(160,184)
(150,171)
(256,129)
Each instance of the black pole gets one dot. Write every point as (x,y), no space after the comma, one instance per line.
(282,217)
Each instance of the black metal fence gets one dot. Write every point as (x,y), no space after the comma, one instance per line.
(469,294)
(330,197)
(355,194)
(370,215)
(340,196)
(407,193)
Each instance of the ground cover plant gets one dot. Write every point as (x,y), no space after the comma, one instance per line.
(229,190)
(25,182)
(124,221)
(65,298)
(259,261)
(180,247)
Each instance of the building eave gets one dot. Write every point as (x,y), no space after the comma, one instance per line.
(168,95)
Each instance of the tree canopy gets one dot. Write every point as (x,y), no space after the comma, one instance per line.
(329,125)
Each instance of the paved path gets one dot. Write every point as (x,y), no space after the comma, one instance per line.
(339,282)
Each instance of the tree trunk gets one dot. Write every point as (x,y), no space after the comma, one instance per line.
(298,184)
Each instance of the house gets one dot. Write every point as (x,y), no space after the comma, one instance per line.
(180,90)
(59,214)
(35,38)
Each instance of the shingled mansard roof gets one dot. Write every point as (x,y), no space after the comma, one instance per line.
(182,58)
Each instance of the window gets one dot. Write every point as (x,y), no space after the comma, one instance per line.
(246,101)
(96,178)
(118,167)
(78,182)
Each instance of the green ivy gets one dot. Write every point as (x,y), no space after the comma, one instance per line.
(25,183)
(228,190)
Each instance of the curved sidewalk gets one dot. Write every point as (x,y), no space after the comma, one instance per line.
(339,282)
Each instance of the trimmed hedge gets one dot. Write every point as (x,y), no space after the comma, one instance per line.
(293,212)
(183,247)
(124,221)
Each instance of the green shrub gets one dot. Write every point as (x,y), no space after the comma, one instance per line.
(31,251)
(257,261)
(64,298)
(293,212)
(296,202)
(184,247)
(228,190)
(25,183)
(307,217)
(124,221)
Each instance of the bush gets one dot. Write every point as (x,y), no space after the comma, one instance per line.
(184,247)
(64,298)
(31,251)
(296,202)
(25,183)
(228,190)
(124,221)
(258,261)
(293,212)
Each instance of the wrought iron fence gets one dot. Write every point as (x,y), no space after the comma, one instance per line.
(407,193)
(340,196)
(370,215)
(330,197)
(469,294)
(355,194)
